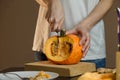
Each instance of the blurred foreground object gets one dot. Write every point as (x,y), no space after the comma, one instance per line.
(118,52)
(101,74)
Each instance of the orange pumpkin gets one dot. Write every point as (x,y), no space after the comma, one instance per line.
(64,49)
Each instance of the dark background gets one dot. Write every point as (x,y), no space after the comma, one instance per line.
(17,27)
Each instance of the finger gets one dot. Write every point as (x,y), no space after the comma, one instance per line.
(86,50)
(55,27)
(51,20)
(52,26)
(52,23)
(60,24)
(87,42)
(83,40)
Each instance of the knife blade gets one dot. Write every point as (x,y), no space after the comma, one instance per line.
(57,43)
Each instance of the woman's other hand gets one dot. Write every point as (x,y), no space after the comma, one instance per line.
(83,31)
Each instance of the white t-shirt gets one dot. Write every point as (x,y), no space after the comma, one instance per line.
(75,11)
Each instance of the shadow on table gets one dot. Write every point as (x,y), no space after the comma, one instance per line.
(12,69)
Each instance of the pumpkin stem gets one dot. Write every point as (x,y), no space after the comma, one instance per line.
(62,32)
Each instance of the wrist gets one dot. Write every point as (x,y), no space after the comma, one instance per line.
(85,25)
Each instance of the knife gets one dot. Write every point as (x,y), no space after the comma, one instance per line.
(57,31)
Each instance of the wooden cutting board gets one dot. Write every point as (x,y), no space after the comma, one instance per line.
(62,70)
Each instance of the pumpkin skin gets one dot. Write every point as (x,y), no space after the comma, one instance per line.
(66,51)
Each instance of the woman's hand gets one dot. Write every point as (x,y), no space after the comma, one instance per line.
(83,31)
(55,14)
